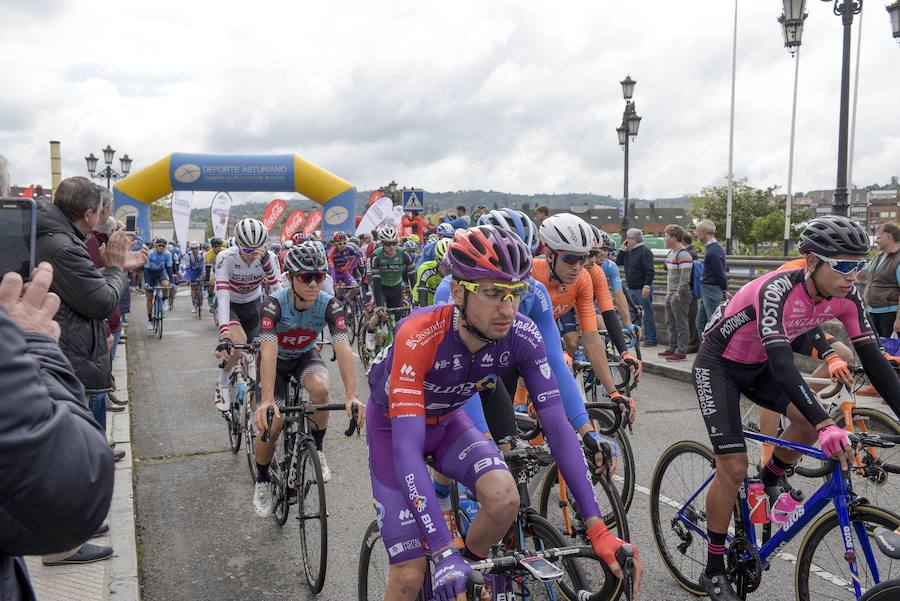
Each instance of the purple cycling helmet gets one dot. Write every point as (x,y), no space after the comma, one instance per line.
(486,252)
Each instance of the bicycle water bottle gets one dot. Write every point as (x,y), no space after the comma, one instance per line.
(240,389)
(787,508)
(469,508)
(759,503)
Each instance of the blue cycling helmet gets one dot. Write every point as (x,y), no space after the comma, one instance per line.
(516,222)
(444,230)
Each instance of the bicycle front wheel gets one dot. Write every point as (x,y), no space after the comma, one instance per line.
(279,472)
(886,591)
(312,517)
(822,571)
(680,473)
(371,577)
(235,427)
(565,516)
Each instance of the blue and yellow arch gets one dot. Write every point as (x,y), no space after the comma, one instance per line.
(238,173)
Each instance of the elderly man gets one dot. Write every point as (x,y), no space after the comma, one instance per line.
(87,295)
(637,260)
(882,277)
(714,283)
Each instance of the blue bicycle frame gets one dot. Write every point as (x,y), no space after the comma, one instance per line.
(835,490)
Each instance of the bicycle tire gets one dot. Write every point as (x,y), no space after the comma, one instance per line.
(311,506)
(233,419)
(605,492)
(159,325)
(868,514)
(625,470)
(888,590)
(249,437)
(372,584)
(279,473)
(696,544)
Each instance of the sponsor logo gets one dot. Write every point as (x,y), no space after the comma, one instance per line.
(773,295)
(457,364)
(730,325)
(798,513)
(429,526)
(411,391)
(483,464)
(420,503)
(504,358)
(294,340)
(407,373)
(545,370)
(487,360)
(464,388)
(529,331)
(341,322)
(395,550)
(544,396)
(406,517)
(704,391)
(848,539)
(442,364)
(379,513)
(411,544)
(335,215)
(187,173)
(731,445)
(267,323)
(827,309)
(488,382)
(426,334)
(473,445)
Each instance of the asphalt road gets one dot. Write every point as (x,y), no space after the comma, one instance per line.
(198,537)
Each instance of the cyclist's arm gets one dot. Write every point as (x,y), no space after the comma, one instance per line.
(564,444)
(623,304)
(269,263)
(587,322)
(542,315)
(268,348)
(821,343)
(223,295)
(337,325)
(168,265)
(407,263)
(442,293)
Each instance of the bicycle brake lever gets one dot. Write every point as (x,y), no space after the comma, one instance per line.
(625,557)
(354,422)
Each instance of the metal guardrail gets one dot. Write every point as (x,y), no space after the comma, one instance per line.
(740,269)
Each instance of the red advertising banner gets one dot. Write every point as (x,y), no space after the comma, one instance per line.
(292,224)
(375,196)
(315,219)
(273,213)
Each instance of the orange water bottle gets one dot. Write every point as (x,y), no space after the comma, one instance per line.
(759,503)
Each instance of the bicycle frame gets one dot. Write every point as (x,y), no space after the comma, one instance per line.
(837,489)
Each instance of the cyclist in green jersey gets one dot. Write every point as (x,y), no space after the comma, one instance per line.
(430,274)
(389,265)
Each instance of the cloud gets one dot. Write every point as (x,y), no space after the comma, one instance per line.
(514,96)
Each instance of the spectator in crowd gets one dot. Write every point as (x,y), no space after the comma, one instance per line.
(541,213)
(461,220)
(87,295)
(693,334)
(689,246)
(714,283)
(678,294)
(56,470)
(413,223)
(882,276)
(637,260)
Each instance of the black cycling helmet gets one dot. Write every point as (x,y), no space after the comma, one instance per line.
(215,242)
(833,235)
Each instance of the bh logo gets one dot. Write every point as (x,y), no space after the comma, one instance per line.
(487,382)
(419,503)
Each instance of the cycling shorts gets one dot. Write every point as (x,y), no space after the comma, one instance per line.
(460,452)
(344,278)
(246,315)
(155,278)
(308,362)
(719,383)
(804,345)
(567,322)
(193,275)
(392,296)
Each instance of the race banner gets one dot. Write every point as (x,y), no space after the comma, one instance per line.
(181,216)
(376,215)
(292,224)
(219,211)
(273,213)
(375,196)
(315,219)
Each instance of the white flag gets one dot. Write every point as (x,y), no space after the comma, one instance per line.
(219,211)
(181,215)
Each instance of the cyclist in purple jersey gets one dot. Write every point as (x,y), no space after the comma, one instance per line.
(440,356)
(746,350)
(343,259)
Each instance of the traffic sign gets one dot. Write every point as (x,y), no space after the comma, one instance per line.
(413,200)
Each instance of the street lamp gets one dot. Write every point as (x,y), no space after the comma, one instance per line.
(627,132)
(894,11)
(108,172)
(792,30)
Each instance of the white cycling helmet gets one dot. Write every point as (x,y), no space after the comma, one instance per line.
(250,233)
(388,233)
(565,232)
(445,230)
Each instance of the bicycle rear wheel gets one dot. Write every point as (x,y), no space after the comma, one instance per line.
(373,566)
(313,519)
(822,571)
(566,517)
(679,474)
(249,436)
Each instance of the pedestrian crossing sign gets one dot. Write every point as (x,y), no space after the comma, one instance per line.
(413,200)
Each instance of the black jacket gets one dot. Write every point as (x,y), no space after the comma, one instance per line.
(56,469)
(88,296)
(638,264)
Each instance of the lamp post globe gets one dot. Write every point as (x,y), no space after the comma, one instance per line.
(108,154)
(91,161)
(894,12)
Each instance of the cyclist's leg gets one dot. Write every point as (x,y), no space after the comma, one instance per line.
(399,531)
(263,451)
(482,470)
(393,297)
(568,328)
(149,283)
(243,325)
(314,376)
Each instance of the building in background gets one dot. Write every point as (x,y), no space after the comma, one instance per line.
(651,220)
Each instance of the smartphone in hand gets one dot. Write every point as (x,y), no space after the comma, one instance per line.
(18,232)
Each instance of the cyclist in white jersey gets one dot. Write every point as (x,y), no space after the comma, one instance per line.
(241,271)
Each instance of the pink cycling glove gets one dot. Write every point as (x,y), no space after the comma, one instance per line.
(833,440)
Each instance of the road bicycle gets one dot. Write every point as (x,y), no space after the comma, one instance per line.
(295,477)
(888,590)
(244,390)
(197,289)
(158,310)
(835,559)
(384,333)
(173,290)
(871,474)
(579,574)
(349,298)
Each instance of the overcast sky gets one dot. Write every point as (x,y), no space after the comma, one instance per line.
(517,96)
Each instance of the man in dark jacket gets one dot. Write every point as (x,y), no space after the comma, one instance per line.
(87,294)
(56,470)
(638,262)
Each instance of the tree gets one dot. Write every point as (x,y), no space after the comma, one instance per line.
(161,210)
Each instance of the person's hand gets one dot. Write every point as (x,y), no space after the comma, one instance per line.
(636,365)
(259,253)
(605,546)
(115,252)
(451,574)
(838,369)
(834,443)
(645,292)
(109,341)
(628,402)
(224,349)
(360,414)
(604,452)
(136,259)
(32,311)
(259,417)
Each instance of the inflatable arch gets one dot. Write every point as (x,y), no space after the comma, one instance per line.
(134,194)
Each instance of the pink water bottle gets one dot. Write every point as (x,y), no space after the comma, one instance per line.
(759,503)
(787,507)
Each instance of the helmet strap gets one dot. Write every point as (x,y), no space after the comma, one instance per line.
(468,326)
(552,265)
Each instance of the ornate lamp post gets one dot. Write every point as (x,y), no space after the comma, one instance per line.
(108,172)
(894,12)
(631,122)
(792,30)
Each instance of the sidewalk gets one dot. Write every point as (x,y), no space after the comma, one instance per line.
(115,578)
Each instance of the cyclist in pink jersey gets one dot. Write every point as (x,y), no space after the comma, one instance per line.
(746,350)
